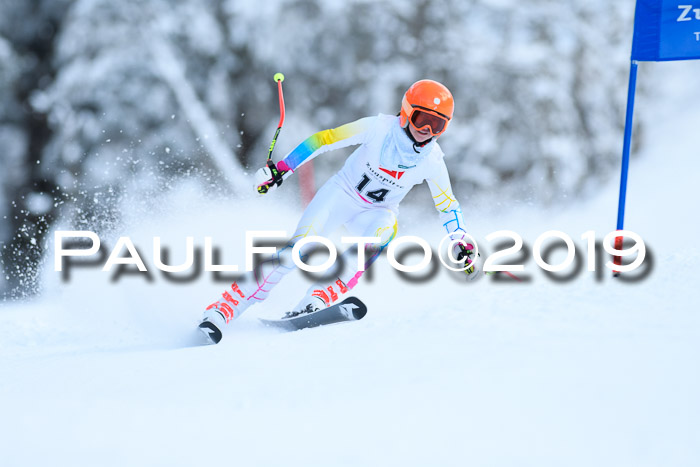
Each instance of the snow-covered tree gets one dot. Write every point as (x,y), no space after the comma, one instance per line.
(27,31)
(539,85)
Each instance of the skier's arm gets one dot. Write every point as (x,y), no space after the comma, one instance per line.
(349,134)
(450,213)
(446,203)
(327,140)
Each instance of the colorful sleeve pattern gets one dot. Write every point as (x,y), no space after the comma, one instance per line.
(447,205)
(328,140)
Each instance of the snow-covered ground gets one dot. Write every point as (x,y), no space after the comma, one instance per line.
(543,373)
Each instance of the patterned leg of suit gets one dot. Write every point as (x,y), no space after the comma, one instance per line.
(329,209)
(376,222)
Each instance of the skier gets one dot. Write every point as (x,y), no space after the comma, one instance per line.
(394,154)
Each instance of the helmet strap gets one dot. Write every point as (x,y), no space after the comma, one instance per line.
(416,144)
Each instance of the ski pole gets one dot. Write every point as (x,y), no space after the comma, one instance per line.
(507,273)
(512,276)
(276,175)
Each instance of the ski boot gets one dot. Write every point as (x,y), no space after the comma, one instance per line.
(220,313)
(309,304)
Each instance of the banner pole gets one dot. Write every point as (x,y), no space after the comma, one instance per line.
(625,159)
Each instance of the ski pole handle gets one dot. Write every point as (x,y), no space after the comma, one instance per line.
(276,178)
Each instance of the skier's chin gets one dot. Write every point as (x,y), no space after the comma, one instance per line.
(420,136)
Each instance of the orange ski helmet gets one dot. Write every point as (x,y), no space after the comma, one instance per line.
(427,103)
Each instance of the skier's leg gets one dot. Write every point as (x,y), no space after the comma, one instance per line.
(380,223)
(320,217)
(324,214)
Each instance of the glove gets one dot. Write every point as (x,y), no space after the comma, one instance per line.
(464,253)
(270,177)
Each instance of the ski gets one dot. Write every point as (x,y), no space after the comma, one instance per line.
(350,309)
(212,333)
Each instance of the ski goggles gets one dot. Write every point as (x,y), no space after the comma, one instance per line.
(422,118)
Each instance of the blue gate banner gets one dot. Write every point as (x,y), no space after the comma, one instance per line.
(666,30)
